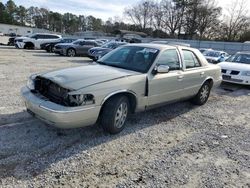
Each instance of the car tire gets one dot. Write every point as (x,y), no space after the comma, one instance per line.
(114,114)
(71,52)
(51,49)
(29,46)
(203,94)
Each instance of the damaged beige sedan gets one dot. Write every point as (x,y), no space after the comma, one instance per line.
(129,79)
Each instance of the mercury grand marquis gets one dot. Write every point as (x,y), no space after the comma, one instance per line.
(132,78)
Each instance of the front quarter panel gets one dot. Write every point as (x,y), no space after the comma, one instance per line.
(132,84)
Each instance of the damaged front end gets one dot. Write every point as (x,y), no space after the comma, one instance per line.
(59,95)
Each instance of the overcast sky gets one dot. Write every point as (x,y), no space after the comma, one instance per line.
(103,9)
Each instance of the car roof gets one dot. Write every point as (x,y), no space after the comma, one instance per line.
(170,43)
(160,46)
(45,34)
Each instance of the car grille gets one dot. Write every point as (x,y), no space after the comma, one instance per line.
(227,77)
(223,70)
(51,90)
(233,72)
(18,40)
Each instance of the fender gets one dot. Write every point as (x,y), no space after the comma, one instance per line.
(117,92)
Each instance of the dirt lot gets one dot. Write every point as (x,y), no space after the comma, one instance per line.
(179,145)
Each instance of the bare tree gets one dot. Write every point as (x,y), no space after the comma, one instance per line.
(208,17)
(158,15)
(236,20)
(173,15)
(141,13)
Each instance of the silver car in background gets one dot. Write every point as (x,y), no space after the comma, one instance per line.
(79,47)
(129,79)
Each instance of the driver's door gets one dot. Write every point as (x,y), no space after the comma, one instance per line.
(166,87)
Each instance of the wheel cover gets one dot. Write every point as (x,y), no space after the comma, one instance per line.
(121,115)
(204,93)
(71,53)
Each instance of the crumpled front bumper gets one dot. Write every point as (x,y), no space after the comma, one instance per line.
(58,115)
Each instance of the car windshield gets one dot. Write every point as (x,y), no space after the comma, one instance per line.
(133,58)
(109,45)
(212,53)
(77,42)
(240,58)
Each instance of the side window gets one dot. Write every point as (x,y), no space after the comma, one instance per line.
(82,43)
(190,59)
(48,37)
(54,37)
(89,43)
(170,58)
(39,36)
(34,37)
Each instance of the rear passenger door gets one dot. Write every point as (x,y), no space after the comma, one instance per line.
(194,73)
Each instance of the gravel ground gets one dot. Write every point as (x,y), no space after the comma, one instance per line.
(4,40)
(179,145)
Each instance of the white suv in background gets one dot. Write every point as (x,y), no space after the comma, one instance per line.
(34,41)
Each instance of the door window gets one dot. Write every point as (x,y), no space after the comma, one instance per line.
(190,59)
(169,58)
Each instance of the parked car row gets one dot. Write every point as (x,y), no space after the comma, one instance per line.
(235,68)
(49,46)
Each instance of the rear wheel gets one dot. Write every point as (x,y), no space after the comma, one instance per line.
(114,114)
(203,94)
(71,52)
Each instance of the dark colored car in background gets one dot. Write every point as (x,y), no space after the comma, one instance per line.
(76,48)
(49,47)
(11,41)
(97,52)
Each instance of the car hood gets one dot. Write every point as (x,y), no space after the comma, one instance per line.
(22,38)
(212,58)
(235,66)
(98,49)
(80,77)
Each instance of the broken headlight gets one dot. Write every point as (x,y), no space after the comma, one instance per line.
(80,99)
(30,83)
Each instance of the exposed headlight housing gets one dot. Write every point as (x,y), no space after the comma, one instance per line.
(31,83)
(81,99)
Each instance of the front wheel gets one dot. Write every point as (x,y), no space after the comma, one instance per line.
(51,49)
(114,114)
(71,52)
(203,94)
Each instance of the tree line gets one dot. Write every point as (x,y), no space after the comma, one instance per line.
(188,19)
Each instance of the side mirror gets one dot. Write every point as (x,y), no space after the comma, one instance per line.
(161,69)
